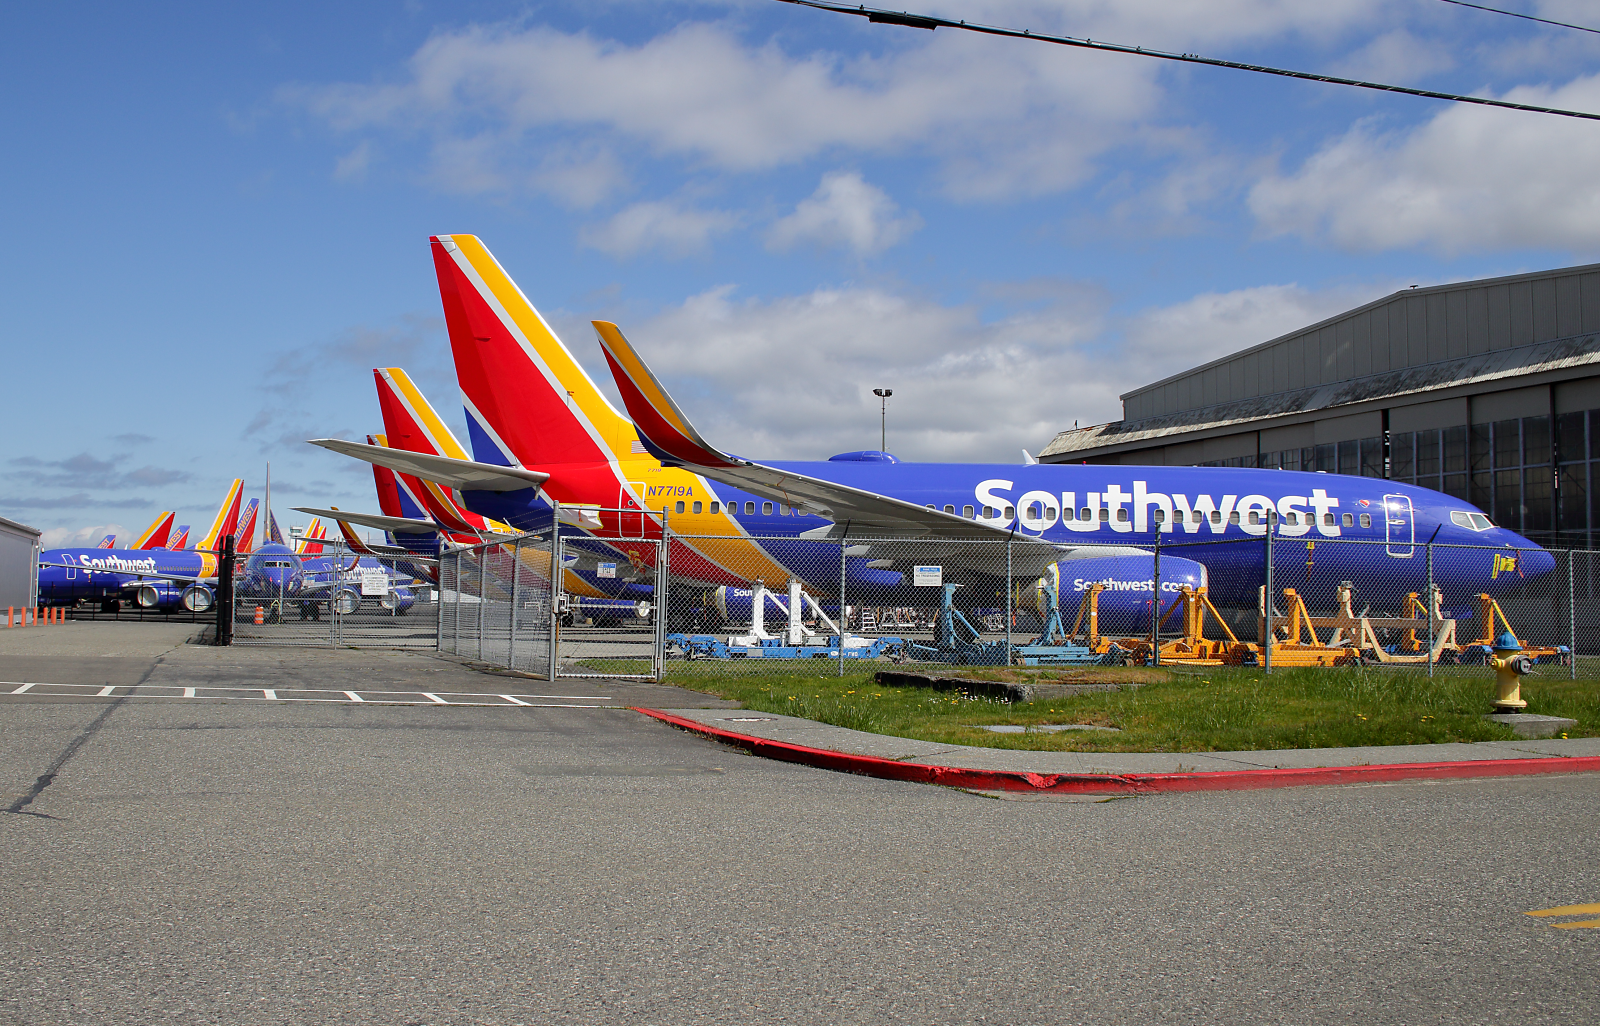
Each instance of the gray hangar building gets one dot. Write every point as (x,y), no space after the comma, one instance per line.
(1487,390)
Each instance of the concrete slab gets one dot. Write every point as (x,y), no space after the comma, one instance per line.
(1532,725)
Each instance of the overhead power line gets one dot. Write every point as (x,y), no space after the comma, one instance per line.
(1528,17)
(928,21)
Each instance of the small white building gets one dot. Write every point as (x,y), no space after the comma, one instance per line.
(19,564)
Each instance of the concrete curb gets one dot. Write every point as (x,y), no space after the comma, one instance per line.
(1130,783)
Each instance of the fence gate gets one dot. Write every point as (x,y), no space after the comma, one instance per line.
(332,598)
(612,602)
(495,603)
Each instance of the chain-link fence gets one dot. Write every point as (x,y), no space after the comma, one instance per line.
(647,608)
(331,596)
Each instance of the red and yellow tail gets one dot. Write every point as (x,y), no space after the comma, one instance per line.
(226,520)
(155,536)
(245,535)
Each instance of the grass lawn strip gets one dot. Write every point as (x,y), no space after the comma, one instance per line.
(1159,710)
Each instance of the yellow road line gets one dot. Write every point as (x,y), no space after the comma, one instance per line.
(1568,910)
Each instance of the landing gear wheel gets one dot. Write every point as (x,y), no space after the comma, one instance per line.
(112,606)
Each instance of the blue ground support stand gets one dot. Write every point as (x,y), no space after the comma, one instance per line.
(712,646)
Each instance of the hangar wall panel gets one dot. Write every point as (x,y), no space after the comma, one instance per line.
(1340,429)
(19,564)
(1573,396)
(1421,416)
(1515,402)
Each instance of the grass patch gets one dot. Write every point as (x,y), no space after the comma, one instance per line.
(1173,711)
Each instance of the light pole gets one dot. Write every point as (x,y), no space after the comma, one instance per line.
(883,395)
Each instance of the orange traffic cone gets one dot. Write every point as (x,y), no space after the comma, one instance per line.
(261,616)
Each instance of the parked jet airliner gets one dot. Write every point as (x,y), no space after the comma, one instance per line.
(540,431)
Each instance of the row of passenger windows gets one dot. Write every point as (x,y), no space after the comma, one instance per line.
(733,508)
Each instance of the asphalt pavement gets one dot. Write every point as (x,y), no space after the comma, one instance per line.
(255,861)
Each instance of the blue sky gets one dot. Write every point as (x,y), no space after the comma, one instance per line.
(218,216)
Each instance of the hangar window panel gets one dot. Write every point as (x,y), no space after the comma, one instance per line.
(1327,458)
(1456,485)
(1402,455)
(1536,499)
(1508,498)
(1535,441)
(1482,491)
(1372,457)
(1569,440)
(1507,444)
(1350,457)
(1574,512)
(1453,447)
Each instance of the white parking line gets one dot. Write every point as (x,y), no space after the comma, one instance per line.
(241,694)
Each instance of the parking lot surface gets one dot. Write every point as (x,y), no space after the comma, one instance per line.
(214,859)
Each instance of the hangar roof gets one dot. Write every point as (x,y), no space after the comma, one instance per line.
(1411,328)
(1485,368)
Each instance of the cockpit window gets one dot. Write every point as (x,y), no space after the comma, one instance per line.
(1471,521)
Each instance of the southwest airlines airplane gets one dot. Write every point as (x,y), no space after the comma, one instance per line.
(540,430)
(155,577)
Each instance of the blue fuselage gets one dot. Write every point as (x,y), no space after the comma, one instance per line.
(1082,505)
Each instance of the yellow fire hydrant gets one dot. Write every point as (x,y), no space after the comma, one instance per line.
(1510,665)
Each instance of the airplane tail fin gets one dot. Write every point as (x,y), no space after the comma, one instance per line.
(308,540)
(411,423)
(244,536)
(274,535)
(155,536)
(180,537)
(226,520)
(383,480)
(108,542)
(528,401)
(665,430)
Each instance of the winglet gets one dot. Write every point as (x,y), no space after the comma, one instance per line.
(663,428)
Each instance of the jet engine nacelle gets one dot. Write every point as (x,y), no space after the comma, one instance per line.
(158,595)
(1129,587)
(197,598)
(398,599)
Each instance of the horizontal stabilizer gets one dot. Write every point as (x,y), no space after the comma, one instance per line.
(464,475)
(376,521)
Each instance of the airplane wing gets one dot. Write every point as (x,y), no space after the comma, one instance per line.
(464,475)
(376,521)
(89,571)
(669,436)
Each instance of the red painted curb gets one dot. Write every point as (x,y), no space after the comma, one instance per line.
(1130,783)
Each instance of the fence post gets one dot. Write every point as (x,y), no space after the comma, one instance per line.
(1266,611)
(1428,600)
(555,590)
(1155,603)
(663,595)
(483,593)
(844,627)
(1572,616)
(1011,587)
(438,599)
(224,632)
(516,567)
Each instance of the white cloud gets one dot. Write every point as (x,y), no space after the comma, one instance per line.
(1469,178)
(352,167)
(657,225)
(845,212)
(75,537)
(793,377)
(1001,118)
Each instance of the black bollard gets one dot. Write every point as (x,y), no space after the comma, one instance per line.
(225,593)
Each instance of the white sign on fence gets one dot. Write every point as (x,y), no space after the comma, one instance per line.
(374,583)
(606,570)
(927,576)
